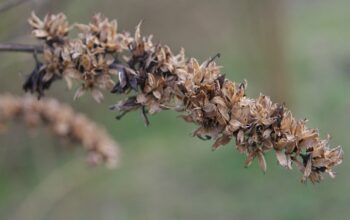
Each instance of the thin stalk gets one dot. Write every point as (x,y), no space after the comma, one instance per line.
(15,47)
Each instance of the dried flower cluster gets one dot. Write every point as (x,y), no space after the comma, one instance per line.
(63,122)
(156,79)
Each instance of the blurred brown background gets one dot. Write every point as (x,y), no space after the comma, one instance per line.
(297,52)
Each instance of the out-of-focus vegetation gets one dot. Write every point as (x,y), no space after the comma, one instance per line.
(294,51)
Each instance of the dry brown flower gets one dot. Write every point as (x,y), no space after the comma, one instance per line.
(52,28)
(63,122)
(162,80)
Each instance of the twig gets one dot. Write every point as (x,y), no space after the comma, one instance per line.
(14,47)
(10,4)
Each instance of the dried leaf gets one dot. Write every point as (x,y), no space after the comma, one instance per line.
(97,95)
(281,158)
(80,92)
(308,169)
(240,137)
(223,140)
(250,158)
(262,161)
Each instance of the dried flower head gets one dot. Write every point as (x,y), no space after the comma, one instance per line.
(156,79)
(63,122)
(53,28)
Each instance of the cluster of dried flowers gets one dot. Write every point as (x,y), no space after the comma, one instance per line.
(63,122)
(156,79)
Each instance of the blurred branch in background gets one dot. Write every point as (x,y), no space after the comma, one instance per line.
(263,26)
(16,29)
(7,5)
(63,122)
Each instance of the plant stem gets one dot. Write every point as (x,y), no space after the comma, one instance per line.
(4,6)
(14,47)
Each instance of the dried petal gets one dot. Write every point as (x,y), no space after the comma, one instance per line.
(262,161)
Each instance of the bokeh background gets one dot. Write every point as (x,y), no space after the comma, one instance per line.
(298,52)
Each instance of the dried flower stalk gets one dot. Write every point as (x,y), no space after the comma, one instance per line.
(63,122)
(156,79)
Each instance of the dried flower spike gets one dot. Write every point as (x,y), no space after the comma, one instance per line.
(63,122)
(156,79)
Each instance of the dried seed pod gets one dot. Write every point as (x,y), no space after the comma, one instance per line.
(162,80)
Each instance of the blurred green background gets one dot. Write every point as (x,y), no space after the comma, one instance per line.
(296,51)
